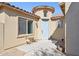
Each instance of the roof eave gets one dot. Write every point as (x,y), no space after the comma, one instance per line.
(54,18)
(24,13)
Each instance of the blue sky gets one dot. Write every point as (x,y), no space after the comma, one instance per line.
(29,5)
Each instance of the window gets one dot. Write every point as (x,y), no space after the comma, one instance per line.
(60,24)
(21,26)
(45,13)
(25,27)
(45,19)
(30,26)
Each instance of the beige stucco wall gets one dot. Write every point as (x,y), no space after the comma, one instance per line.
(72,32)
(38,33)
(67,5)
(52,24)
(11,38)
(41,14)
(52,27)
(35,29)
(1,35)
(11,31)
(2,21)
(60,32)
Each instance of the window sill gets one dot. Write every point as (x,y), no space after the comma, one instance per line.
(24,35)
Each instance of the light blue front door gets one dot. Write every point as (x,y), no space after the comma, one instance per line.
(45,29)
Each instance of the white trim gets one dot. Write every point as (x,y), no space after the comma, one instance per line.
(24,35)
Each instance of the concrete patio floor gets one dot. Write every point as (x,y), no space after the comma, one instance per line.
(12,52)
(39,48)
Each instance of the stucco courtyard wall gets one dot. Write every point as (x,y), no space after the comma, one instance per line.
(1,29)
(1,36)
(72,29)
(11,31)
(11,37)
(52,24)
(60,32)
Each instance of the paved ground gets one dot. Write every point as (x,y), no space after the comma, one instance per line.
(12,52)
(40,48)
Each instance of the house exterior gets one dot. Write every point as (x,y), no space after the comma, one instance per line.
(59,32)
(18,26)
(47,20)
(14,25)
(71,28)
(45,13)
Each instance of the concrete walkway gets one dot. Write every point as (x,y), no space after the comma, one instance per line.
(40,48)
(12,52)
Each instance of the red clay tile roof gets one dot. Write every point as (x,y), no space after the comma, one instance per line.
(56,17)
(47,8)
(19,9)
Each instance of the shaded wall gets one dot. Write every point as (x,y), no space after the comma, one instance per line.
(59,33)
(72,29)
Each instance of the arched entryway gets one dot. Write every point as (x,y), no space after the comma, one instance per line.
(45,28)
